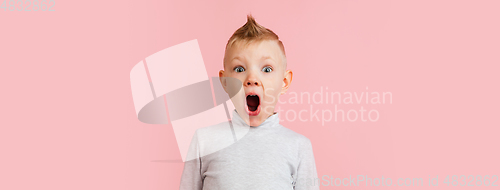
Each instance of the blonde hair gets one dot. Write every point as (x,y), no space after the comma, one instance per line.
(254,32)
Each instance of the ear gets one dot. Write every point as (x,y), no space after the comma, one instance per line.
(222,79)
(287,80)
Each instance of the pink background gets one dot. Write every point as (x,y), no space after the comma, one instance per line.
(68,120)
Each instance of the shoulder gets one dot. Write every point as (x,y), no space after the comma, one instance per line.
(213,129)
(215,132)
(300,140)
(214,138)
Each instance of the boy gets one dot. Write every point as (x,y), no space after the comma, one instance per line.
(264,154)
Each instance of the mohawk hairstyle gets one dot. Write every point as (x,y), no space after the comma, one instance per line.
(252,32)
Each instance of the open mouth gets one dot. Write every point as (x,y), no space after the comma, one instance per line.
(253,104)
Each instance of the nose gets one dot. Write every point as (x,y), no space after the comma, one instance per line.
(251,81)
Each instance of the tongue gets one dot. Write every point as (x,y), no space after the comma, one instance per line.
(253,102)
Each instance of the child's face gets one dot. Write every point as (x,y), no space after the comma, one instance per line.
(261,68)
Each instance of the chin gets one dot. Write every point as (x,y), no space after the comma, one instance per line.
(255,121)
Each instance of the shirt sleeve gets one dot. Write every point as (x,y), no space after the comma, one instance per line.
(307,176)
(191,178)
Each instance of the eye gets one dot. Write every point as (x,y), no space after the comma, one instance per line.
(239,69)
(267,69)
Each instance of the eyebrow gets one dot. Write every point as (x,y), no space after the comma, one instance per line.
(266,57)
(262,59)
(237,57)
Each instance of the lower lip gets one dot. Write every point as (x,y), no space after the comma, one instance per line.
(252,113)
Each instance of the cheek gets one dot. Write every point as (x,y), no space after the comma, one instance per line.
(239,76)
(272,91)
(272,80)
(233,86)
(277,84)
(236,78)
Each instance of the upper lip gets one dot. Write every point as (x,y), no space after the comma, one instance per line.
(252,93)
